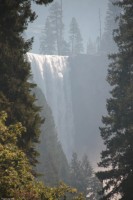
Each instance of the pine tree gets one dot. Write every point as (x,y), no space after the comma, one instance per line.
(15,89)
(82,177)
(75,38)
(107,43)
(47,41)
(90,183)
(87,172)
(56,27)
(52,38)
(75,173)
(117,133)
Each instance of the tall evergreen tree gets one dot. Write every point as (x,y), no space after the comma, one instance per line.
(87,173)
(47,41)
(75,172)
(75,38)
(117,133)
(15,96)
(107,43)
(53,30)
(57,25)
(82,177)
(90,183)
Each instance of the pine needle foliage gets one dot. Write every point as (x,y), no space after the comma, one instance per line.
(117,132)
(16,179)
(15,89)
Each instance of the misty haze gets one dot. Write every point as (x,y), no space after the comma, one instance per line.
(66,99)
(85,84)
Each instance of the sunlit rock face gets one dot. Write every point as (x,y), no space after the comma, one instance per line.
(52,75)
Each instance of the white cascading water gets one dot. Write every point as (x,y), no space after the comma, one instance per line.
(51,74)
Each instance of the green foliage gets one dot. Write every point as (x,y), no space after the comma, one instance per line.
(15,171)
(61,192)
(117,132)
(15,89)
(17,150)
(16,179)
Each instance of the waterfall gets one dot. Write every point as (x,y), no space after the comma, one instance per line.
(52,74)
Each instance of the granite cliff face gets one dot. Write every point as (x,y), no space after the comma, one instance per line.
(53,164)
(89,93)
(75,89)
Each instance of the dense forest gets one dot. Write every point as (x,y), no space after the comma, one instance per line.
(117,131)
(20,119)
(24,120)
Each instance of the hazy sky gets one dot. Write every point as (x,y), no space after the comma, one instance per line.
(85,11)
